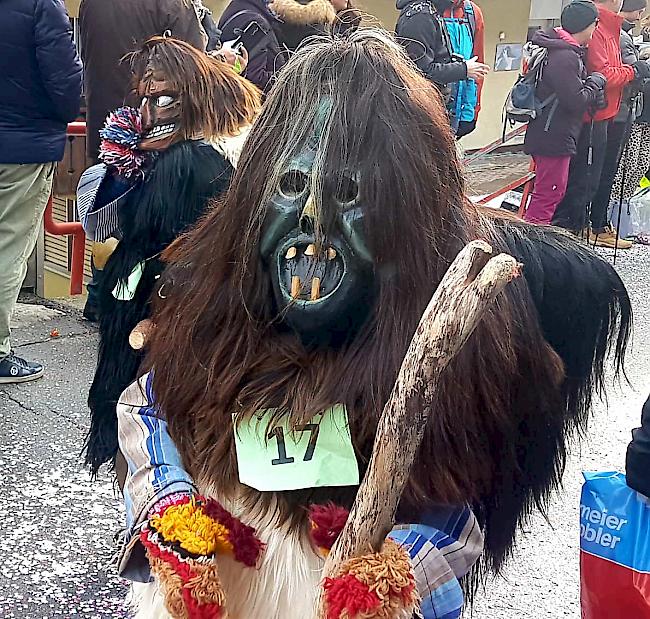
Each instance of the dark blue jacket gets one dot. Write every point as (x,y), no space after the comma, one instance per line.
(268,58)
(40,80)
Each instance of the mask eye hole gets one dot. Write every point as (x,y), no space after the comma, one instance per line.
(164,101)
(347,191)
(293,184)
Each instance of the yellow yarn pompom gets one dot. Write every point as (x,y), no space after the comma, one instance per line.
(193,530)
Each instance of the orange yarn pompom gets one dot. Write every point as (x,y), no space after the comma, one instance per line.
(375,586)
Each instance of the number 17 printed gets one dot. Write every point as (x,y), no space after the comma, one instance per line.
(278,434)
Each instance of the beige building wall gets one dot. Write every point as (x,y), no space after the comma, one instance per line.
(507,19)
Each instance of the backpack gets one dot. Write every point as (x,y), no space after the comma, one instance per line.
(522,104)
(462,35)
(469,19)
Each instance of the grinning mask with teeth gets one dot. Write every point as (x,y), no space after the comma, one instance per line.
(314,246)
(184,94)
(161,112)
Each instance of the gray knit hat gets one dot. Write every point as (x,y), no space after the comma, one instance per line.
(634,5)
(579,15)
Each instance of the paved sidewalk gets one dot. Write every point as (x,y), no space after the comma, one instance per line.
(56,525)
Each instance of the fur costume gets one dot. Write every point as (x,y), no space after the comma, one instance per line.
(302,291)
(192,107)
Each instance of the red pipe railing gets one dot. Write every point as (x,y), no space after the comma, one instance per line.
(77,129)
(73,229)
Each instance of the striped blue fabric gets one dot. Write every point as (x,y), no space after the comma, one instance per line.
(100,221)
(155,468)
(441,557)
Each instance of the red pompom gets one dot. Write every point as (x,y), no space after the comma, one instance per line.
(347,593)
(216,511)
(327,523)
(200,611)
(247,548)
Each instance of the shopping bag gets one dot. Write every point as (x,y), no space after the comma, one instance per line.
(614,549)
(640,215)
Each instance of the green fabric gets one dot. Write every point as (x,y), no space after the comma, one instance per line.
(24,191)
(125,290)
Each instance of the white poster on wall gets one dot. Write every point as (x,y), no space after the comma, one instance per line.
(546,9)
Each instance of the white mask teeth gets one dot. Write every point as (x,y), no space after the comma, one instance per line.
(160,130)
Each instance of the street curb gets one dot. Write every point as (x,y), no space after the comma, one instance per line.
(67,308)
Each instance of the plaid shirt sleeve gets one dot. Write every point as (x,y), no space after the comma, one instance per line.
(155,469)
(442,551)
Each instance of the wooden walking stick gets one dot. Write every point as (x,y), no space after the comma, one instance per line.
(141,334)
(466,291)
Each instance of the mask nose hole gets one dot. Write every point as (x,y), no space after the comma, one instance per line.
(308,217)
(307,224)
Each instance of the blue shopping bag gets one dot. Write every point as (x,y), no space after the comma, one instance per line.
(614,549)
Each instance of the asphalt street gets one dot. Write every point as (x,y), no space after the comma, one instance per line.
(57,526)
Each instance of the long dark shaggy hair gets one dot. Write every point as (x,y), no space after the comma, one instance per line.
(499,422)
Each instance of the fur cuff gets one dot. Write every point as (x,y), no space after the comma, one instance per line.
(316,12)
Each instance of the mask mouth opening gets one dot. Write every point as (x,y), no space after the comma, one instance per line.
(308,272)
(160,131)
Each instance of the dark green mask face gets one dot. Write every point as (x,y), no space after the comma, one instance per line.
(318,260)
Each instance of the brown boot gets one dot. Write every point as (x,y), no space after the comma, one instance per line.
(607,238)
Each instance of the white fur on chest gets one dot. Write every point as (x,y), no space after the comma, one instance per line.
(285,586)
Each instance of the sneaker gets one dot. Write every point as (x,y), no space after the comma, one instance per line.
(607,238)
(13,369)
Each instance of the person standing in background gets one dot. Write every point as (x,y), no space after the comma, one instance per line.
(636,159)
(466,29)
(603,56)
(110,29)
(637,462)
(423,33)
(40,92)
(300,19)
(266,58)
(285,25)
(552,137)
(620,127)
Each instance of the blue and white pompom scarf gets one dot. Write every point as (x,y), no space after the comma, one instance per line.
(119,146)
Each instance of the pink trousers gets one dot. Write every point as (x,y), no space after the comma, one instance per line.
(550,187)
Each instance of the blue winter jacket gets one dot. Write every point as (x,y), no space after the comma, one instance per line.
(40,80)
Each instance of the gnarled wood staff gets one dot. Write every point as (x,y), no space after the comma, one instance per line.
(472,282)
